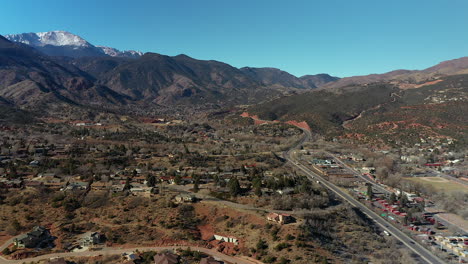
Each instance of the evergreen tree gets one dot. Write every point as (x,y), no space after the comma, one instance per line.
(151,181)
(178,179)
(127,185)
(370,192)
(258,191)
(257,184)
(234,187)
(196,188)
(392,198)
(12,173)
(404,200)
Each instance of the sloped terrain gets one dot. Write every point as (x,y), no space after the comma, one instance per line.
(379,111)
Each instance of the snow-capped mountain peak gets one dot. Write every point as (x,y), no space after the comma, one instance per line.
(54,38)
(117,53)
(63,43)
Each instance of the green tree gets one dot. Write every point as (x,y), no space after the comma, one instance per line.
(6,251)
(257,184)
(370,192)
(196,188)
(392,198)
(261,245)
(234,186)
(12,172)
(151,180)
(127,185)
(258,191)
(403,200)
(178,179)
(71,204)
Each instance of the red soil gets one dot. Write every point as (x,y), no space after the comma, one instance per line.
(258,121)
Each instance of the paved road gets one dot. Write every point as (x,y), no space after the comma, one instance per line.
(422,252)
(208,198)
(7,243)
(118,251)
(367,180)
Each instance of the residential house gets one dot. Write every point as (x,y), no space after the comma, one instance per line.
(74,186)
(91,239)
(185,198)
(33,184)
(228,239)
(34,238)
(166,258)
(130,256)
(286,191)
(141,190)
(100,185)
(280,218)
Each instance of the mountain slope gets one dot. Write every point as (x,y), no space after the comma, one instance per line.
(450,67)
(273,77)
(318,80)
(62,43)
(324,110)
(30,79)
(382,112)
(160,78)
(278,78)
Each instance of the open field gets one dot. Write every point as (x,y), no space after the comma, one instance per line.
(440,184)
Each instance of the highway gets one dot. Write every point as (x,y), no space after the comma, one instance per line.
(358,174)
(422,252)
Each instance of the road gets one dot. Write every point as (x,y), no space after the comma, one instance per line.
(422,252)
(7,243)
(374,185)
(118,251)
(440,218)
(208,198)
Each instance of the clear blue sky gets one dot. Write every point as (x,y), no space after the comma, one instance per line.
(340,37)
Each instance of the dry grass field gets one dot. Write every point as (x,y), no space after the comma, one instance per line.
(440,184)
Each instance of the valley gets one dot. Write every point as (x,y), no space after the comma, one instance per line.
(112,156)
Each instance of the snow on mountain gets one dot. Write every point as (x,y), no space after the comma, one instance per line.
(117,53)
(54,38)
(67,44)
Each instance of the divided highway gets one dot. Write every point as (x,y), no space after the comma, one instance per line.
(422,252)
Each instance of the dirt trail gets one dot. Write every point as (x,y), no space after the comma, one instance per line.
(258,121)
(347,122)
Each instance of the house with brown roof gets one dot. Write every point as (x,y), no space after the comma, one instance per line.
(166,258)
(280,218)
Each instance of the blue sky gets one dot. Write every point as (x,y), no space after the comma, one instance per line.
(339,37)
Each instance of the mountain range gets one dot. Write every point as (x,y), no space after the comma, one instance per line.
(63,43)
(51,70)
(36,67)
